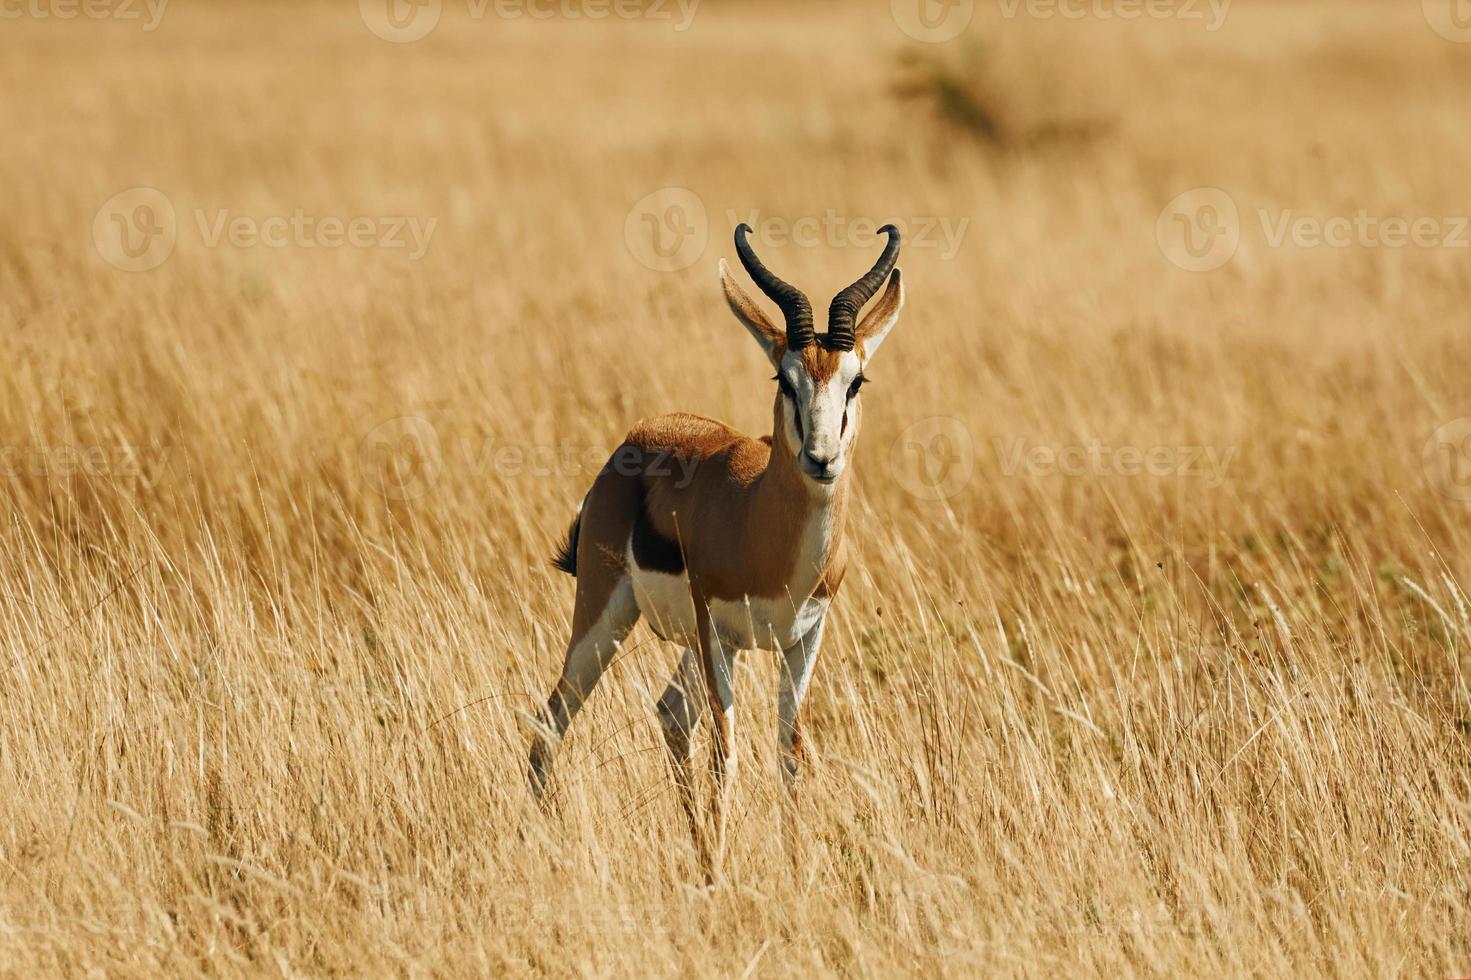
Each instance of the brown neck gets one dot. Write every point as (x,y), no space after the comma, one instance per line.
(788,508)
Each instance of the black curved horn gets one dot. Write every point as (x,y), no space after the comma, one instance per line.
(845,306)
(795,305)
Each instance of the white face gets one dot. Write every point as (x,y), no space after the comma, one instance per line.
(820,414)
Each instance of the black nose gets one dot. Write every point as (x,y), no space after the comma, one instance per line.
(820,462)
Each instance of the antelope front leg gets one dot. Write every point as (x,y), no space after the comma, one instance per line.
(718,659)
(797,663)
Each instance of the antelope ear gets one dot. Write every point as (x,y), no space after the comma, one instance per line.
(878,321)
(773,339)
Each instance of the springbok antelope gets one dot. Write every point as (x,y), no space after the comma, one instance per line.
(725,542)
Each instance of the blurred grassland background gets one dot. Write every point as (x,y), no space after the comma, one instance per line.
(274,585)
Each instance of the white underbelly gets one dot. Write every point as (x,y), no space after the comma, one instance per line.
(750,623)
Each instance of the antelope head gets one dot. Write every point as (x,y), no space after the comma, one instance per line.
(817,375)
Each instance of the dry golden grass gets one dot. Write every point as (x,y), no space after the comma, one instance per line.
(259,717)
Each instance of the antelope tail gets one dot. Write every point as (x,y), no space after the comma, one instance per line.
(566,556)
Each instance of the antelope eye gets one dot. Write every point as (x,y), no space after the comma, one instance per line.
(858,382)
(785,386)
